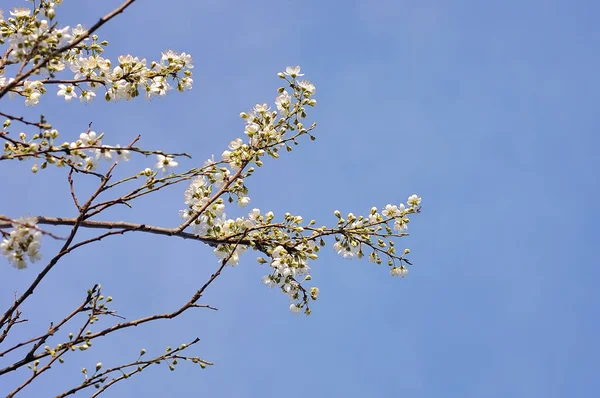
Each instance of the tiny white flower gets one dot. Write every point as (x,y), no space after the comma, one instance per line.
(169,56)
(20,12)
(187,83)
(89,139)
(66,91)
(293,71)
(252,128)
(187,60)
(159,86)
(401,225)
(373,218)
(87,96)
(243,202)
(390,211)
(33,99)
(235,144)
(295,309)
(90,163)
(401,271)
(165,162)
(50,13)
(226,156)
(307,86)
(209,162)
(268,281)
(261,108)
(122,154)
(283,101)
(103,153)
(79,30)
(414,200)
(254,214)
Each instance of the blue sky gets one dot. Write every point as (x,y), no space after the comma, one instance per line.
(488,110)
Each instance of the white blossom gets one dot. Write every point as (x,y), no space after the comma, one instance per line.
(244,201)
(165,163)
(87,96)
(20,12)
(390,211)
(22,243)
(414,200)
(66,91)
(293,71)
(401,271)
(307,86)
(90,139)
(295,309)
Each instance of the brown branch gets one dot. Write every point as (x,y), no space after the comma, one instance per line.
(72,190)
(74,81)
(22,120)
(4,60)
(9,222)
(12,321)
(68,150)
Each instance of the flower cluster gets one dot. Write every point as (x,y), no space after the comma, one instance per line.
(22,243)
(374,233)
(31,38)
(266,134)
(289,244)
(83,154)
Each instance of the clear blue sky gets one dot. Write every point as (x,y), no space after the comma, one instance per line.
(488,110)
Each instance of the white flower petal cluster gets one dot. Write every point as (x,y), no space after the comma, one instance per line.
(165,162)
(289,244)
(373,233)
(83,154)
(22,243)
(28,36)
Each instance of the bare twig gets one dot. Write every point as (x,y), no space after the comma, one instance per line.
(22,120)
